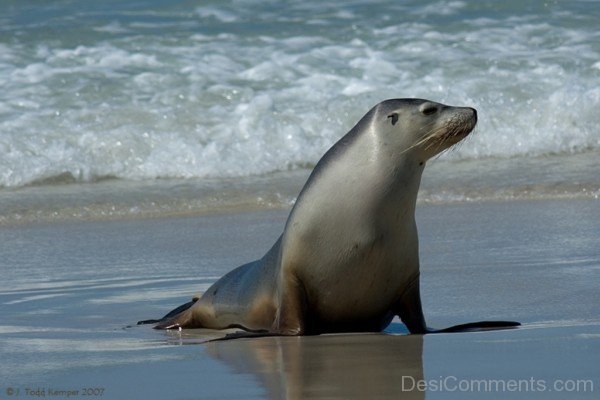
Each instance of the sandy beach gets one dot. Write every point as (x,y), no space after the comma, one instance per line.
(71,293)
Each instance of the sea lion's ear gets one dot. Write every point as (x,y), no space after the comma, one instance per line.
(393,117)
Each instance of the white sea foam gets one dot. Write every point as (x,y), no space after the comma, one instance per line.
(219,14)
(238,95)
(440,8)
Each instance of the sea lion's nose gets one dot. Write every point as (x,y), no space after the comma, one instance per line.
(474,113)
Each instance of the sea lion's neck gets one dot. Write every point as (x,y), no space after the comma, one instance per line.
(364,182)
(403,180)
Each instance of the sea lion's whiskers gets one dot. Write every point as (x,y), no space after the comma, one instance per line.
(420,142)
(427,126)
(432,134)
(435,137)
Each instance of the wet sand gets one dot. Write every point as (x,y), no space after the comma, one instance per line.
(71,291)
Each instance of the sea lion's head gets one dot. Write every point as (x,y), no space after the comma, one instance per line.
(423,128)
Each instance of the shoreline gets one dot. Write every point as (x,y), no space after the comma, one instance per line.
(444,182)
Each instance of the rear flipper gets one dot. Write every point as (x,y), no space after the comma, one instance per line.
(171,314)
(477,327)
(182,320)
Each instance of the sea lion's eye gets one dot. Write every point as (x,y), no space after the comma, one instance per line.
(429,110)
(393,117)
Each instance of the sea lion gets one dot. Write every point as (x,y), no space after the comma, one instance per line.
(348,258)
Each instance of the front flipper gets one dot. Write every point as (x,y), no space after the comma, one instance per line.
(477,327)
(409,308)
(291,311)
(410,311)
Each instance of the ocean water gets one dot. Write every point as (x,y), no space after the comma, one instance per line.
(115,102)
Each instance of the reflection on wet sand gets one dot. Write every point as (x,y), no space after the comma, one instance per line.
(357,366)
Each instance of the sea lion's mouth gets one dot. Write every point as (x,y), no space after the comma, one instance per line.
(459,126)
(456,128)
